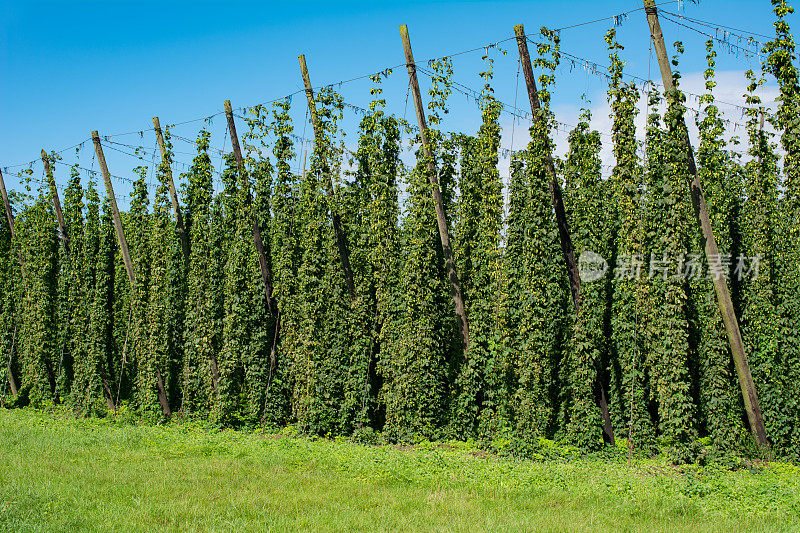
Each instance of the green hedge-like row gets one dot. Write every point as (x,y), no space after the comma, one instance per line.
(198,338)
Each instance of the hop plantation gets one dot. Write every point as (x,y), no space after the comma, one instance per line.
(325,299)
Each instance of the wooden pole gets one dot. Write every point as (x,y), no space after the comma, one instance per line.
(441,218)
(62,227)
(6,205)
(12,382)
(126,257)
(561,217)
(263,257)
(123,243)
(555,188)
(341,237)
(746,384)
(179,227)
(10,218)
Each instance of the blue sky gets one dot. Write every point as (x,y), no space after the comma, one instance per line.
(72,67)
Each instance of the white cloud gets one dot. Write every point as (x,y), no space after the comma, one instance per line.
(730,89)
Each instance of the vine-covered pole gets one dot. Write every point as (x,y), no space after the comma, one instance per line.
(180,229)
(441,217)
(711,250)
(62,227)
(561,216)
(341,237)
(10,217)
(126,256)
(555,188)
(6,205)
(123,243)
(266,273)
(12,382)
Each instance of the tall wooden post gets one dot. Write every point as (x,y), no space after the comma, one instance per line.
(62,227)
(12,382)
(561,217)
(6,205)
(123,243)
(263,259)
(555,188)
(341,236)
(126,257)
(441,217)
(10,218)
(179,227)
(748,388)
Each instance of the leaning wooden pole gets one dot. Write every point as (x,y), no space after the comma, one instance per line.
(10,218)
(748,388)
(341,236)
(561,216)
(12,382)
(6,205)
(180,229)
(263,257)
(123,243)
(62,227)
(555,188)
(441,218)
(126,258)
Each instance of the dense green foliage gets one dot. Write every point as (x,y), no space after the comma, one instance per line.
(477,235)
(535,296)
(718,404)
(209,338)
(588,341)
(629,367)
(781,63)
(417,369)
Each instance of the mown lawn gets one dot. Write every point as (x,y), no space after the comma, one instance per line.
(62,474)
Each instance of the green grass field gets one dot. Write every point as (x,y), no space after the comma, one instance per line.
(62,474)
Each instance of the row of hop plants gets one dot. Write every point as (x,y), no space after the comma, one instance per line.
(197,338)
